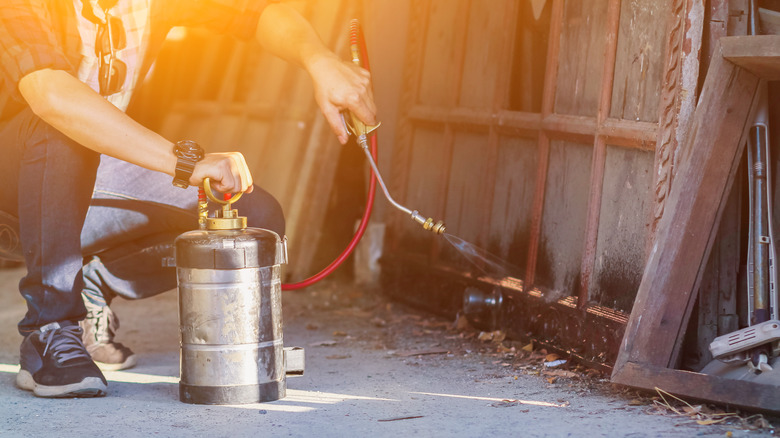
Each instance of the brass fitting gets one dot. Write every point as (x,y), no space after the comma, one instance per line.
(227,218)
(428,224)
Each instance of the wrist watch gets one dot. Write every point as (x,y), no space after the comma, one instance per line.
(187,154)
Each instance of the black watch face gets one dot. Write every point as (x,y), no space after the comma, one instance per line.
(188,150)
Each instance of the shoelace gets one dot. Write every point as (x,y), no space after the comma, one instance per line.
(64,343)
(103,322)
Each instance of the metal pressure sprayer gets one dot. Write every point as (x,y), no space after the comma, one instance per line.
(355,126)
(230,311)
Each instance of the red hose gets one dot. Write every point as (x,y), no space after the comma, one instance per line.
(355,38)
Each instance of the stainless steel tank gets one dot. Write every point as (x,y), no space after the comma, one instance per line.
(230,316)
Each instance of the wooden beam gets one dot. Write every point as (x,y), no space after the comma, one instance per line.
(758,54)
(583,129)
(744,394)
(708,162)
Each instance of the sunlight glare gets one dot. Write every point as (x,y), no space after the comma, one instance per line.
(522,402)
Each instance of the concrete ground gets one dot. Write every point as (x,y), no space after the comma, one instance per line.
(373,368)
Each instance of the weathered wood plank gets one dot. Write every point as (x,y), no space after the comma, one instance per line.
(510,214)
(599,152)
(563,223)
(484,51)
(548,104)
(625,206)
(581,57)
(700,386)
(686,232)
(465,190)
(398,179)
(640,62)
(446,25)
(759,54)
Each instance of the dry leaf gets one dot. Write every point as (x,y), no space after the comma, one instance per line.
(338,356)
(635,402)
(503,349)
(409,353)
(339,333)
(552,379)
(529,347)
(561,373)
(551,357)
(328,343)
(462,323)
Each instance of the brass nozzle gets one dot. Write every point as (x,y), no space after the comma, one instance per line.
(427,224)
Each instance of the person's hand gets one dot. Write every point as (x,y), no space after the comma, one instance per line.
(341,85)
(227,171)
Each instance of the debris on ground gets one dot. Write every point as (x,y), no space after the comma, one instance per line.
(405,328)
(706,414)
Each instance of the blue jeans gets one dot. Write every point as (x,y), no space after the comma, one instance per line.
(94,223)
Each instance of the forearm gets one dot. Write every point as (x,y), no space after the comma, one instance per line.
(338,85)
(94,122)
(283,31)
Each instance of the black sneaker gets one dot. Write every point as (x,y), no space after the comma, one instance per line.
(100,326)
(54,363)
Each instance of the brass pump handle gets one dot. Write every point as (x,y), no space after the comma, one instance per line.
(210,194)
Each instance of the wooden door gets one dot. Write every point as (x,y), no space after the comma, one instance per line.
(543,131)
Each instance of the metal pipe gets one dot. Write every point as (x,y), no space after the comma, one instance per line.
(427,223)
(363,142)
(760,223)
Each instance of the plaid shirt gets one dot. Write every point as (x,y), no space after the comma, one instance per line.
(39,34)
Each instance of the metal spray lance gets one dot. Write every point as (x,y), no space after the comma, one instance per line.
(361,131)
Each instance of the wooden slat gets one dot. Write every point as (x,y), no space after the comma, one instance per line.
(548,103)
(504,39)
(759,54)
(583,40)
(402,149)
(620,256)
(599,153)
(446,32)
(688,384)
(625,133)
(628,133)
(639,62)
(484,60)
(686,232)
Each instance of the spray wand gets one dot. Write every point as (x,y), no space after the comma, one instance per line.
(361,131)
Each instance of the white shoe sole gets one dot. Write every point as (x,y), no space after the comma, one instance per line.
(89,387)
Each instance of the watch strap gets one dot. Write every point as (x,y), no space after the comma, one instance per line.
(188,153)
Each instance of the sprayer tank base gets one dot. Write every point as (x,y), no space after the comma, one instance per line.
(233,395)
